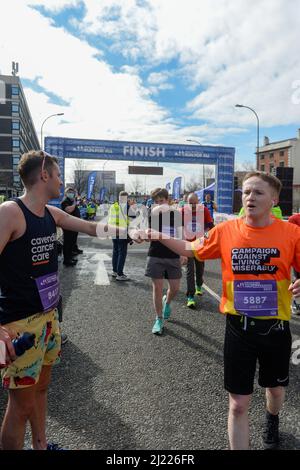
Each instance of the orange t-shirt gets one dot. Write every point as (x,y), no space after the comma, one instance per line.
(254,254)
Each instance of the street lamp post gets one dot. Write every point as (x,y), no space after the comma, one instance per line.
(257,132)
(103,166)
(48,117)
(203,166)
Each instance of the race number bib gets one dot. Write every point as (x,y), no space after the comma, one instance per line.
(48,287)
(256,298)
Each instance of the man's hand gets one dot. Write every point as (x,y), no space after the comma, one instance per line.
(154,235)
(294,288)
(135,235)
(151,234)
(183,260)
(6,337)
(138,235)
(71,209)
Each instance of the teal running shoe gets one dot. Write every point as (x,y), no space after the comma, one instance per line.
(158,326)
(166,308)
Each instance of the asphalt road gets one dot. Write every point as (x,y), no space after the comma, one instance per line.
(120,387)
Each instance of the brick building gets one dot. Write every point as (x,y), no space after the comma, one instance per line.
(284,153)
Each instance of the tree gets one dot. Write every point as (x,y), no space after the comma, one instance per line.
(247,165)
(209,172)
(80,176)
(193,185)
(136,185)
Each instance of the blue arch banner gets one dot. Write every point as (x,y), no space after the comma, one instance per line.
(221,157)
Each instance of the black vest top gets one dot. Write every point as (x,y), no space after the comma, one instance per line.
(24,260)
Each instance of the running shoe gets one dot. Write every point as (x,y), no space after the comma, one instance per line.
(114,274)
(77,251)
(53,446)
(123,277)
(71,262)
(191,302)
(199,290)
(166,308)
(158,326)
(271,431)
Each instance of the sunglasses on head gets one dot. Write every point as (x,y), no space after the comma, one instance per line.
(44,155)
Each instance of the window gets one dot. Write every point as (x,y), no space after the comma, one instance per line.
(281,153)
(271,155)
(271,168)
(16,142)
(16,125)
(15,107)
(16,179)
(281,164)
(262,157)
(16,159)
(5,126)
(5,162)
(14,90)
(262,167)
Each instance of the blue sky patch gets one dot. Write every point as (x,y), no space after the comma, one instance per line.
(53,98)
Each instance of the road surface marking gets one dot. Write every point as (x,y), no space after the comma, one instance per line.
(88,265)
(211,292)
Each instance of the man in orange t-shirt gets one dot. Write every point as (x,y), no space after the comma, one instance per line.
(257,254)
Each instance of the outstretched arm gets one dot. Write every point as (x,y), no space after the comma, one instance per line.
(74,224)
(181,247)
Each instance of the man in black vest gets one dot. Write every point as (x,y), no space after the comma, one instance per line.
(29,294)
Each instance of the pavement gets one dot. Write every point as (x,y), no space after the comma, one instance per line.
(121,387)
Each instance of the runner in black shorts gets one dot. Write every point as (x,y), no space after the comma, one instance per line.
(270,345)
(257,254)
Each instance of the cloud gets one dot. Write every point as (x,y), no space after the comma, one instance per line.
(54,5)
(236,51)
(223,52)
(158,81)
(103,104)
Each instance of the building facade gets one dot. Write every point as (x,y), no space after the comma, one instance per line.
(17,133)
(284,153)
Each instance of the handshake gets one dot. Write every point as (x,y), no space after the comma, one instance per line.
(140,235)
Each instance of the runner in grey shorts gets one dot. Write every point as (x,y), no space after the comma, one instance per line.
(163,268)
(163,263)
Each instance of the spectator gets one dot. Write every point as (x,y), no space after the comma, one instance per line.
(70,248)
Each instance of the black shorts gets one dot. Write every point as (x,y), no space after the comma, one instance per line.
(268,341)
